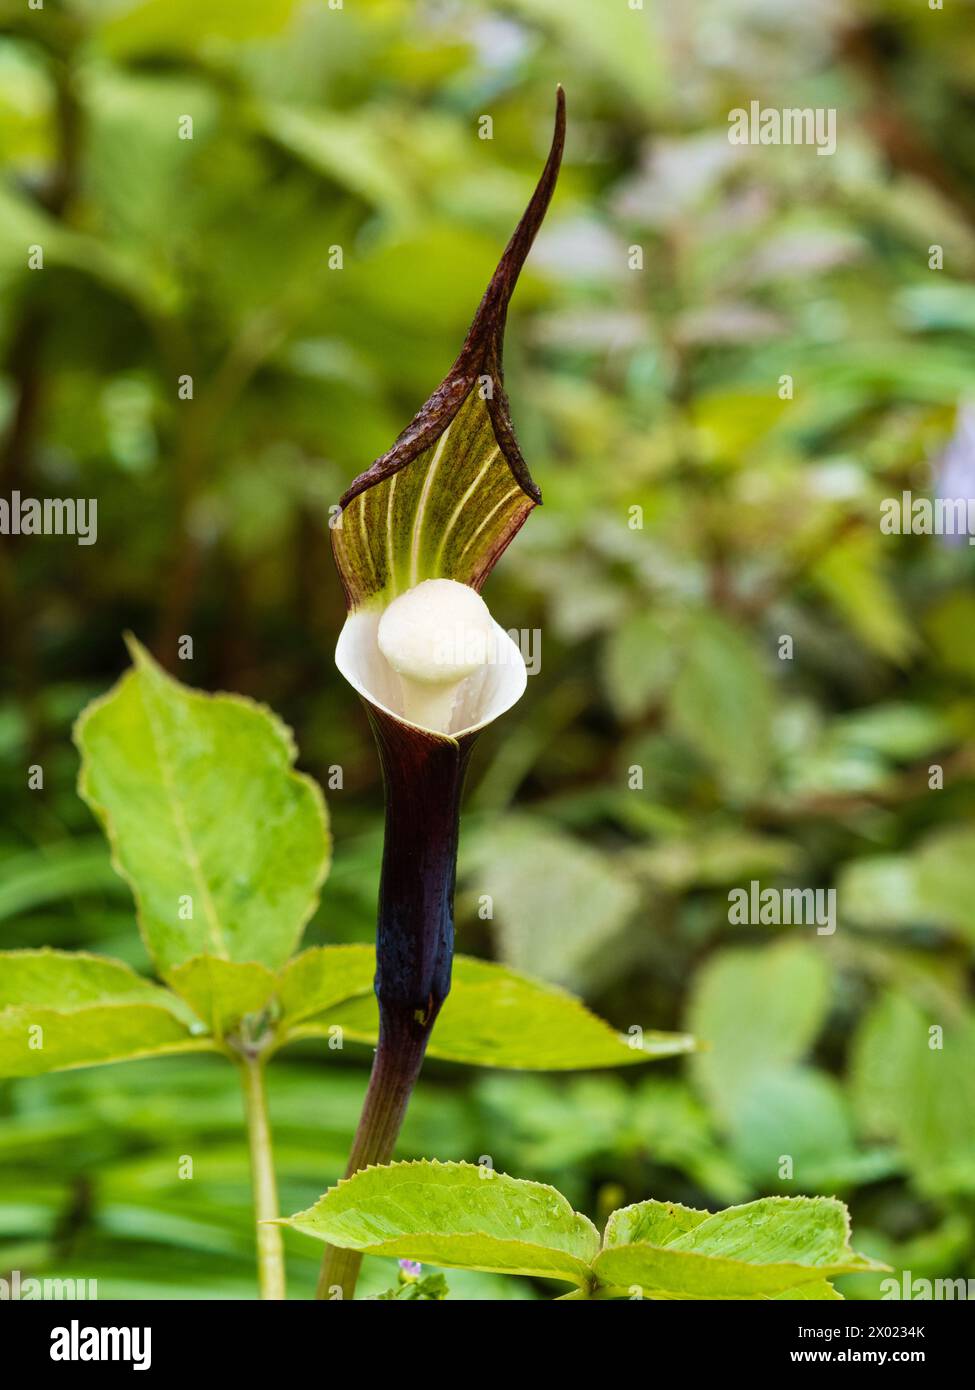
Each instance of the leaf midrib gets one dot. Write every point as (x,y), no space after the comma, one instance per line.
(214,929)
(412,1184)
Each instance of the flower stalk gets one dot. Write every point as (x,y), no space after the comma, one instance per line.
(396,1067)
(423,777)
(442,504)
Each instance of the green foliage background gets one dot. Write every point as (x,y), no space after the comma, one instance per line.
(656,388)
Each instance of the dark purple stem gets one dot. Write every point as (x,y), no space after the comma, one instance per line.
(424,779)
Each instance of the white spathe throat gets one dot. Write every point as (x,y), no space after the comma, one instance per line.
(434,657)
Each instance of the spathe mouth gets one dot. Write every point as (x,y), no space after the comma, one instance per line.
(481,696)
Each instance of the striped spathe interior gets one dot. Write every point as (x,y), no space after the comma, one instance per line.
(452,492)
(448,514)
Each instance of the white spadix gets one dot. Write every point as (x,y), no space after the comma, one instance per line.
(478,699)
(434,636)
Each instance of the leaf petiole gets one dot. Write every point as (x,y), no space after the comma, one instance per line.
(270,1243)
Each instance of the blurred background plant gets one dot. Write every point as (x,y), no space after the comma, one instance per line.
(311,259)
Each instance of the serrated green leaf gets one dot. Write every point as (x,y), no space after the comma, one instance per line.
(35,1040)
(821,1292)
(324,976)
(67,980)
(61,1009)
(199,799)
(220,991)
(496,1018)
(455,1214)
(764,1249)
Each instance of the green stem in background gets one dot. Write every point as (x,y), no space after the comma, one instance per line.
(270,1242)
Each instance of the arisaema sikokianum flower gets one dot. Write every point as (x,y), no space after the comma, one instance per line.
(418,535)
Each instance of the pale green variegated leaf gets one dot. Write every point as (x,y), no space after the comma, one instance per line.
(933,886)
(722,702)
(221,992)
(495,1018)
(34,1040)
(224,845)
(452,492)
(881,890)
(802,1111)
(945,879)
(133,33)
(755,1010)
(853,577)
(619,46)
(348,147)
(24,222)
(455,1214)
(896,730)
(639,662)
(912,1075)
(324,976)
(763,1249)
(562,909)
